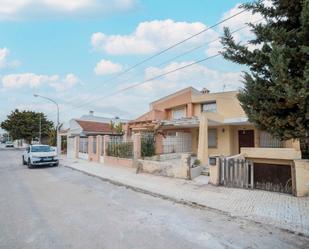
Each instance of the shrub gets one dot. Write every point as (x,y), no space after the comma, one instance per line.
(148,145)
(122,150)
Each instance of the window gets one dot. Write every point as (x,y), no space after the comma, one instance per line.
(209,107)
(44,148)
(179,113)
(212,138)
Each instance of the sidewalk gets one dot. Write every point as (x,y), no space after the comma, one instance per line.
(280,210)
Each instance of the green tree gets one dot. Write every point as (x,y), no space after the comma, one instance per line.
(116,127)
(26,125)
(52,136)
(276,87)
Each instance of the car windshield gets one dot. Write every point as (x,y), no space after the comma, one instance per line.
(41,149)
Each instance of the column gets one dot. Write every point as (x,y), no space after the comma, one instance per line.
(90,150)
(105,144)
(76,146)
(214,172)
(189,110)
(159,144)
(202,151)
(137,146)
(99,147)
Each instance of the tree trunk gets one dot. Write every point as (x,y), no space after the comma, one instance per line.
(304,147)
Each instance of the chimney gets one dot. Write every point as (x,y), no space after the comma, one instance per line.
(205,91)
(91,113)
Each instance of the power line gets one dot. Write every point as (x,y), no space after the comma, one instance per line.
(178,56)
(150,79)
(163,51)
(169,48)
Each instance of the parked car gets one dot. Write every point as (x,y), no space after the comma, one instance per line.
(40,155)
(9,144)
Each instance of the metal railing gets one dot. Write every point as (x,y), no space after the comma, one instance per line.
(118,147)
(83,145)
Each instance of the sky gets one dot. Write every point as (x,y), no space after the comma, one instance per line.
(79,53)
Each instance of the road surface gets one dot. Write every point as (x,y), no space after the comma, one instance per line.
(61,208)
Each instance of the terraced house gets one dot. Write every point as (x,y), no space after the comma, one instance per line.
(214,124)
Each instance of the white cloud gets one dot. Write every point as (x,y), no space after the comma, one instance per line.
(239,21)
(19,9)
(69,81)
(234,24)
(198,76)
(13,81)
(69,5)
(149,37)
(4,52)
(4,63)
(107,67)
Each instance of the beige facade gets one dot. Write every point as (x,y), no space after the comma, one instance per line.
(217,124)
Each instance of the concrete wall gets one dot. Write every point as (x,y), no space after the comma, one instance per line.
(169,169)
(178,99)
(164,157)
(108,160)
(301,168)
(71,147)
(224,141)
(83,156)
(227,104)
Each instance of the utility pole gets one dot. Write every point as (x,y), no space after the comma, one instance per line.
(58,122)
(40,129)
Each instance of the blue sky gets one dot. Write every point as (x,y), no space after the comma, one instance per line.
(70,50)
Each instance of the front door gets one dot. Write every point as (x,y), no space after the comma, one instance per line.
(245,138)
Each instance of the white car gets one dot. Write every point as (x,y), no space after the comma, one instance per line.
(9,144)
(40,155)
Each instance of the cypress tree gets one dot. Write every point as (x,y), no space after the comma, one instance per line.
(275,96)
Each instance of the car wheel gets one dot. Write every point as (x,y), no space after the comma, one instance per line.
(24,163)
(56,165)
(29,164)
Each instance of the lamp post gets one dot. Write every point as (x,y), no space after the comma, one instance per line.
(58,123)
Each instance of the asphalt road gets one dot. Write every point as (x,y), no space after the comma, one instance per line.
(61,208)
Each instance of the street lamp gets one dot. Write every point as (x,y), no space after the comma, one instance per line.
(58,123)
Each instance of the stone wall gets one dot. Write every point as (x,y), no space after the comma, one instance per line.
(169,169)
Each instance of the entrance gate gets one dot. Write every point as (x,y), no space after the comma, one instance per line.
(236,173)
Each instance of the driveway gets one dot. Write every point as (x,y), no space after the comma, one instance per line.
(61,208)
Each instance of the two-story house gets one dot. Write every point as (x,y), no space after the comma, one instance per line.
(214,124)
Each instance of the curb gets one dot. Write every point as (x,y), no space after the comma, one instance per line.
(161,196)
(182,201)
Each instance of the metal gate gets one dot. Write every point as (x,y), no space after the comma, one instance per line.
(236,173)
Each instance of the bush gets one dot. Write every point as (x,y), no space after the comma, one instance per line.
(148,146)
(196,163)
(122,150)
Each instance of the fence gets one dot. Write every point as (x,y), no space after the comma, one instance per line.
(118,147)
(237,173)
(83,145)
(177,142)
